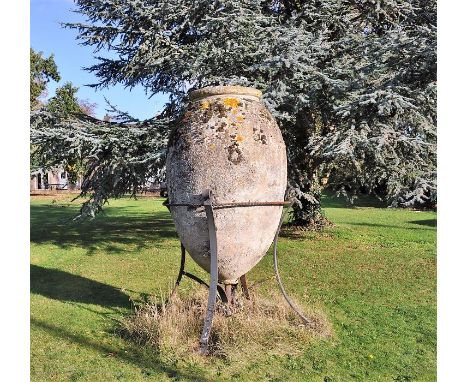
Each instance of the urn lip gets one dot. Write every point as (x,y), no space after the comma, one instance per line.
(211,91)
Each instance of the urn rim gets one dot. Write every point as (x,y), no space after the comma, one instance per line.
(211,91)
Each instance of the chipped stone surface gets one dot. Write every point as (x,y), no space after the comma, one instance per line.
(228,142)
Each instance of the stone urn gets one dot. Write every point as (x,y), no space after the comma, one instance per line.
(229,143)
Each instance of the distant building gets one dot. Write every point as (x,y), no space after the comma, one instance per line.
(155,185)
(56,179)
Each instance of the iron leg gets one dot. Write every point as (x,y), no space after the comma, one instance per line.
(213,275)
(245,290)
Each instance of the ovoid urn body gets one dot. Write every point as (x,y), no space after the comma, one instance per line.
(227,142)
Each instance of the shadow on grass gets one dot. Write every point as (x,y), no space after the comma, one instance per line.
(109,232)
(147,361)
(391,226)
(64,286)
(427,222)
(331,201)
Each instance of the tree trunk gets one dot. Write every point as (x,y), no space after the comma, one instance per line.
(304,175)
(307,212)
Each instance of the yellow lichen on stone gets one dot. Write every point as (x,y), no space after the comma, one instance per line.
(240,118)
(204,105)
(212,146)
(239,138)
(231,102)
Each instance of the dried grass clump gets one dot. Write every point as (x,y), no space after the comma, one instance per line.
(248,327)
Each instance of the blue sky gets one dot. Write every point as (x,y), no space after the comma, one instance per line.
(49,37)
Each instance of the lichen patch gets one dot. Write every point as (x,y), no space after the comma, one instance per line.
(231,102)
(204,105)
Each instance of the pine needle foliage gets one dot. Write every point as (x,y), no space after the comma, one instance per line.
(118,157)
(351,83)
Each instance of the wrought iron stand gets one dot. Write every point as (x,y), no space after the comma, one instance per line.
(226,295)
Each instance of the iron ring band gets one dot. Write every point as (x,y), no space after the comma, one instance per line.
(229,205)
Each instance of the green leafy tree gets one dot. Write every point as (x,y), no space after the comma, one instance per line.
(64,102)
(351,84)
(42,70)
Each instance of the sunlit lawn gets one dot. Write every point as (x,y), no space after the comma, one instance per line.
(373,274)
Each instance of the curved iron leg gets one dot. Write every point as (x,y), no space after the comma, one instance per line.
(222,294)
(181,271)
(245,289)
(213,275)
(229,293)
(278,278)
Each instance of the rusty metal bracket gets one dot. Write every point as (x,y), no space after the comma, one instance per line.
(210,311)
(225,295)
(278,278)
(182,272)
(217,206)
(245,289)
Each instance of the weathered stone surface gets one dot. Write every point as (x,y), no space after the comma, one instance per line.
(228,142)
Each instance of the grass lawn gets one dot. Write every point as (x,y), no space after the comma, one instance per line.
(373,274)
